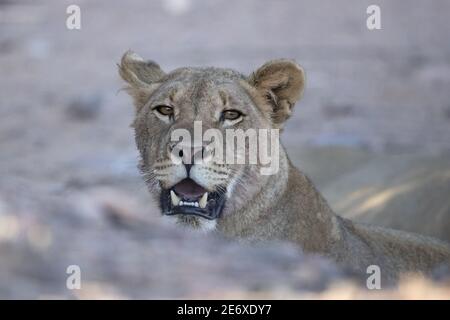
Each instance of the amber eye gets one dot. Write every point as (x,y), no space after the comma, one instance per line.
(231,114)
(164,110)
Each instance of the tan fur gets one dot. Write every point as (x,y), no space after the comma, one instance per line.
(284,206)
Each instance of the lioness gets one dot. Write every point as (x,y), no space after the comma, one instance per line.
(236,199)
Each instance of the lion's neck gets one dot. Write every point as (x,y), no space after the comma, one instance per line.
(287,208)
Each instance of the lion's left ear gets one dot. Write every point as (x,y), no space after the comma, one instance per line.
(281,82)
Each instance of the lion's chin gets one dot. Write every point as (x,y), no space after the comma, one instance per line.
(192,223)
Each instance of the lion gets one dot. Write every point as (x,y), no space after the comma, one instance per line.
(236,199)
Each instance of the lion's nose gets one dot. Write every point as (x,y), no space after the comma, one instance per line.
(188,155)
(191,156)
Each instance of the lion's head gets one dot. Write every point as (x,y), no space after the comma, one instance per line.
(197,193)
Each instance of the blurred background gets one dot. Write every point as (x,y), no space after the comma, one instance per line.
(372,131)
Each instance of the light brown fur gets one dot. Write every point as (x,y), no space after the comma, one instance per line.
(284,206)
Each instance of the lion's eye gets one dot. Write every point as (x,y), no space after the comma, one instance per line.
(231,114)
(164,110)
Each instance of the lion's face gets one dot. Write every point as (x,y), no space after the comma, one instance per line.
(193,186)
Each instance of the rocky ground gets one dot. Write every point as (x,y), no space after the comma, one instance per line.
(372,131)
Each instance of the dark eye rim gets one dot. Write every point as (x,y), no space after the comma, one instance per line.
(160,106)
(239,114)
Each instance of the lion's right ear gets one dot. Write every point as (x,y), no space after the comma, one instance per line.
(141,76)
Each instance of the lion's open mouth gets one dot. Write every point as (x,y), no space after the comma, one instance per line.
(189,198)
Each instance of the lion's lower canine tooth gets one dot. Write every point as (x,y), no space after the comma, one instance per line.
(174,197)
(203,200)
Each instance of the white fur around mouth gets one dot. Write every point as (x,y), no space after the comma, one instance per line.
(176,201)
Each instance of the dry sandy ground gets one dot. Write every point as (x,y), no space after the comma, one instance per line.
(373,133)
